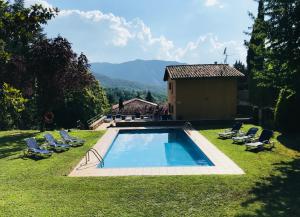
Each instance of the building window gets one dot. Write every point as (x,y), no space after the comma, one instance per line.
(170,108)
(170,87)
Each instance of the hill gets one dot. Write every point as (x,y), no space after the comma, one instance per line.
(141,71)
(108,82)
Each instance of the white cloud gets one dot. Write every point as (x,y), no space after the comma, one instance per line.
(117,24)
(41,2)
(211,3)
(123,30)
(235,50)
(105,36)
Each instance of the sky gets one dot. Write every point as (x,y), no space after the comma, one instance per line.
(188,31)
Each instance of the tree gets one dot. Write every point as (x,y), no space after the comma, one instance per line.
(256,57)
(242,82)
(57,70)
(121,105)
(283,68)
(283,37)
(46,71)
(20,28)
(12,104)
(82,105)
(241,67)
(138,95)
(149,97)
(286,112)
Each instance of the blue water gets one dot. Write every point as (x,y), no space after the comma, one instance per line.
(154,148)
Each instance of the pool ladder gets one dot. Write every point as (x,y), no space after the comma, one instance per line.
(97,155)
(188,126)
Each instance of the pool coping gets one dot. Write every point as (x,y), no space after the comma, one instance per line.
(223,165)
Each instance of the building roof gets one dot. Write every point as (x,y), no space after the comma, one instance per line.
(200,71)
(116,106)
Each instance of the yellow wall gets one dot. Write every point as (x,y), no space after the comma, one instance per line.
(197,99)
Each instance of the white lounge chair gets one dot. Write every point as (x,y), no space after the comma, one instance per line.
(108,119)
(243,138)
(262,141)
(229,133)
(118,118)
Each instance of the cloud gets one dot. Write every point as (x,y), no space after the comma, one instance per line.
(212,3)
(41,2)
(118,25)
(123,30)
(107,37)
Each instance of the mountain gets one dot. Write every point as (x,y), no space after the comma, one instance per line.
(145,72)
(108,82)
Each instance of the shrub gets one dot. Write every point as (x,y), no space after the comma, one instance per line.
(81,105)
(11,106)
(286,117)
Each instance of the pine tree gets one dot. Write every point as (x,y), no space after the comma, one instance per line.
(283,68)
(121,105)
(241,67)
(283,51)
(242,82)
(149,97)
(138,95)
(256,56)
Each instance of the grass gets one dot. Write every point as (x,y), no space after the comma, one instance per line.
(271,186)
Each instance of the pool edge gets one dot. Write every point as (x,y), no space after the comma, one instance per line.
(223,165)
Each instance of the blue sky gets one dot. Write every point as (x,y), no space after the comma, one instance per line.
(190,31)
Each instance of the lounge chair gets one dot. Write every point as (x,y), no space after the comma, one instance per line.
(33,149)
(55,144)
(147,117)
(229,133)
(71,140)
(108,119)
(128,118)
(243,138)
(262,141)
(118,118)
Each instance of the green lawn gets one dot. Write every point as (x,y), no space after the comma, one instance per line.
(271,186)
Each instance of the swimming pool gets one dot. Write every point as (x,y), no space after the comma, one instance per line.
(154,148)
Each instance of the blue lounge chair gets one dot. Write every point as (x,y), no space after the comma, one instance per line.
(262,141)
(243,138)
(33,149)
(229,133)
(71,140)
(54,144)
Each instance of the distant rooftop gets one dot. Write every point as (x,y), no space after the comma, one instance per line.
(116,106)
(200,71)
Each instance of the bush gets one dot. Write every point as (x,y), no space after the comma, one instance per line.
(286,117)
(81,105)
(11,106)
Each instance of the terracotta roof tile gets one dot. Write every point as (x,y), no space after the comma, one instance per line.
(116,106)
(201,71)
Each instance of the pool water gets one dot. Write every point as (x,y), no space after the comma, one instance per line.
(154,148)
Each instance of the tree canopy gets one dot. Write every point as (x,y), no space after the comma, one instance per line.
(12,104)
(149,97)
(274,56)
(46,70)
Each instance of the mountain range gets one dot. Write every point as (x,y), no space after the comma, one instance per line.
(133,75)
